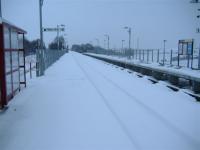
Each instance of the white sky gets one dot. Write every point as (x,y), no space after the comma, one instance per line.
(152,21)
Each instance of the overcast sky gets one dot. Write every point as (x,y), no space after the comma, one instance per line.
(152,21)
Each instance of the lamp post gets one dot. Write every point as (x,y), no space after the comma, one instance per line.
(129,45)
(108,40)
(104,44)
(0,10)
(164,41)
(97,40)
(199,59)
(42,65)
(198,30)
(41,26)
(66,41)
(123,46)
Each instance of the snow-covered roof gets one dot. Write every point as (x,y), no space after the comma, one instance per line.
(7,23)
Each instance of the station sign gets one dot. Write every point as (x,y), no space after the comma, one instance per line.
(185,47)
(53,29)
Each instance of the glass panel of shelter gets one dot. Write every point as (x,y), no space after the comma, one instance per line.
(12,44)
(7,54)
(15,60)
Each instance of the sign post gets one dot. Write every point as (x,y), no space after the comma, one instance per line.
(53,29)
(199,59)
(57,29)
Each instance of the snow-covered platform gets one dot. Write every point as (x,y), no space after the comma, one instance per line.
(85,104)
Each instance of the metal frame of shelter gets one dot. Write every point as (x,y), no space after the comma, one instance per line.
(12,61)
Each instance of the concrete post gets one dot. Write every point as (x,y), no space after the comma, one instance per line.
(41,39)
(0,10)
(199,59)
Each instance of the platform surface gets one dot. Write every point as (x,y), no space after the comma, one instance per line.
(85,104)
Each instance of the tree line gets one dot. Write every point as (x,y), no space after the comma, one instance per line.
(83,48)
(31,46)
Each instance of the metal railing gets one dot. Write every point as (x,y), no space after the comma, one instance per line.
(170,57)
(50,57)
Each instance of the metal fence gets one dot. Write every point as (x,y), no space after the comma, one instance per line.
(51,56)
(45,58)
(169,57)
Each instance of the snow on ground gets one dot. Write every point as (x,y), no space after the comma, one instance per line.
(84,104)
(30,59)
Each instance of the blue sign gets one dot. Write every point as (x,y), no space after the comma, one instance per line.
(185,47)
(190,49)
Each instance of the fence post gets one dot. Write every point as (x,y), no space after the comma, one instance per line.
(152,55)
(171,57)
(199,60)
(188,60)
(37,62)
(147,56)
(30,71)
(164,57)
(178,59)
(136,53)
(143,54)
(158,56)
(192,59)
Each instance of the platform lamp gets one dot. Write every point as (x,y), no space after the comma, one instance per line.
(164,51)
(129,45)
(122,51)
(108,40)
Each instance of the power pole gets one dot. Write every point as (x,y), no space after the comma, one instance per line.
(164,52)
(199,59)
(108,40)
(41,26)
(198,30)
(129,45)
(0,10)
(42,65)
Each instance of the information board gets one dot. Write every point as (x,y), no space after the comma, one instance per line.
(185,47)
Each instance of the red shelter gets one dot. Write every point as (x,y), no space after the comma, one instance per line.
(12,61)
